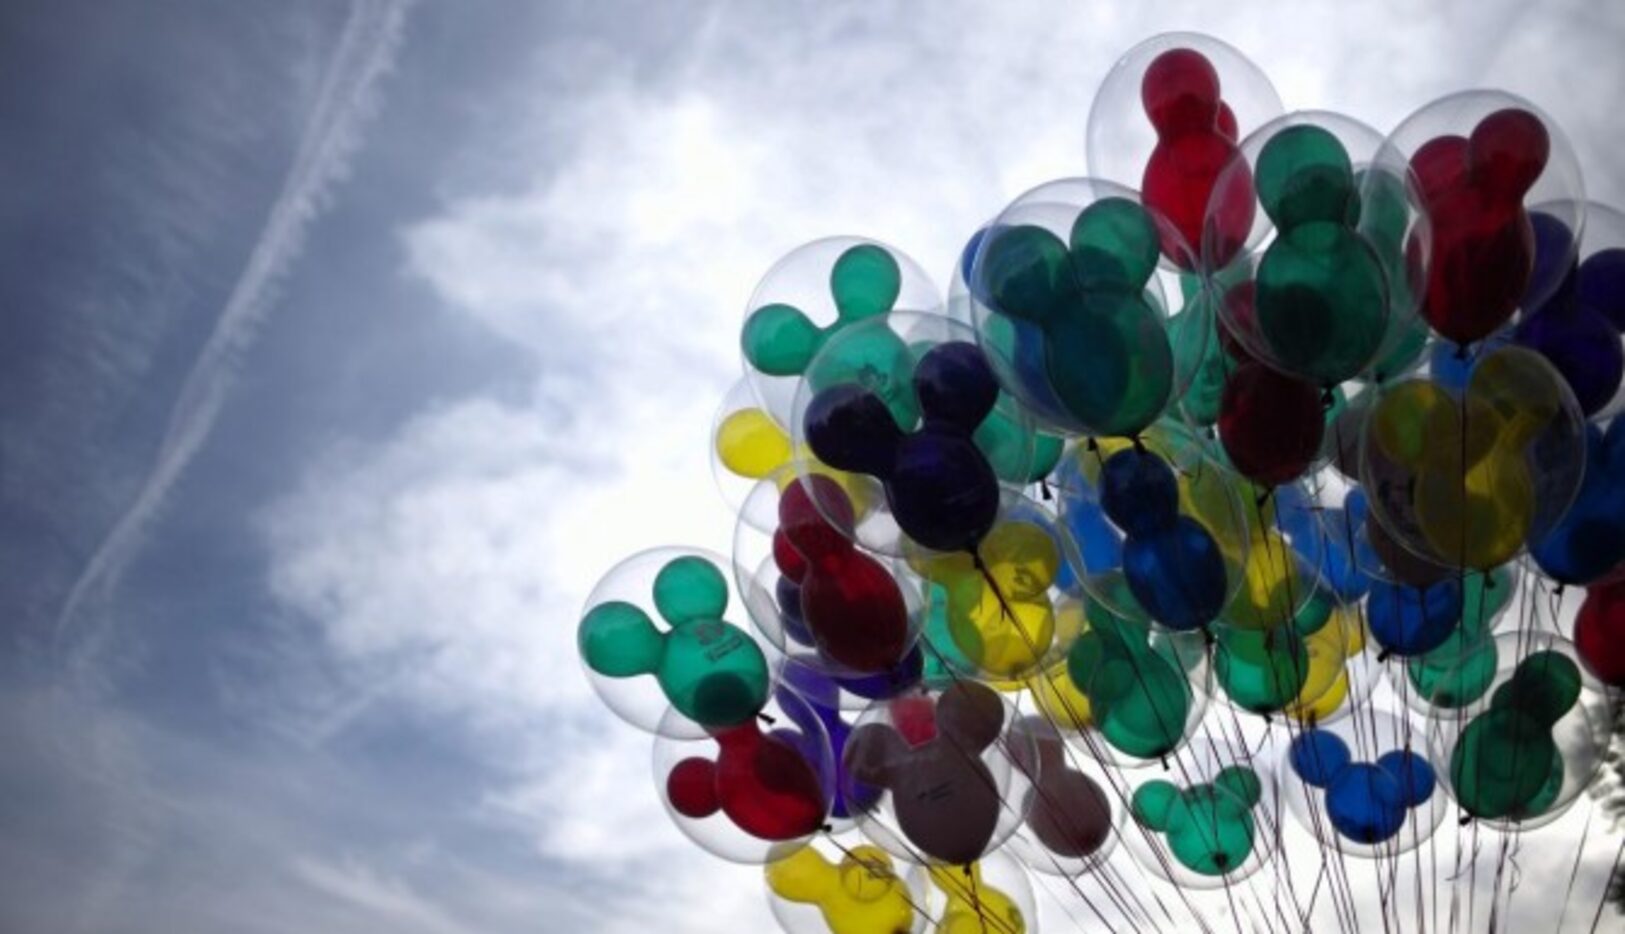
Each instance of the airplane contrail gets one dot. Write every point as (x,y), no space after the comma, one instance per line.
(364,52)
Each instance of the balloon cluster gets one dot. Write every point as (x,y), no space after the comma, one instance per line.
(1274,416)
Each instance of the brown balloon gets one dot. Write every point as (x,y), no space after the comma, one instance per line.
(1071,816)
(946,800)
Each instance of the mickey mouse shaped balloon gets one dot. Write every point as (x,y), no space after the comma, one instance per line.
(750,793)
(860,892)
(940,489)
(1578,327)
(945,763)
(1209,823)
(711,673)
(1069,822)
(1166,120)
(1365,786)
(990,895)
(1522,755)
(1478,158)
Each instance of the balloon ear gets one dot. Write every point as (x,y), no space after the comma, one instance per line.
(689,589)
(1153,804)
(867,875)
(692,788)
(1241,782)
(971,715)
(618,640)
(751,445)
(780,340)
(1180,91)
(873,753)
(804,876)
(1023,272)
(806,509)
(1114,246)
(865,281)
(955,385)
(1506,153)
(1304,174)
(1318,756)
(850,428)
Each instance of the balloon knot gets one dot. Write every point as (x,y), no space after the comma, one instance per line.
(1043,487)
(827,828)
(1165,766)
(1327,398)
(1465,820)
(1461,351)
(766,719)
(1139,445)
(1384,655)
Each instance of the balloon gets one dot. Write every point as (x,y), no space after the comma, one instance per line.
(1588,543)
(1140,693)
(849,603)
(1599,633)
(992,894)
(860,893)
(1070,815)
(708,669)
(1478,158)
(1270,424)
(1166,120)
(1066,315)
(1211,827)
(1524,756)
(1172,564)
(815,293)
(947,778)
(1365,787)
(817,710)
(745,794)
(1333,284)
(1408,621)
(940,488)
(1467,481)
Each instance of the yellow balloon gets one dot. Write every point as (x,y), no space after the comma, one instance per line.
(974,907)
(1060,699)
(999,616)
(861,895)
(751,444)
(1273,585)
(1480,520)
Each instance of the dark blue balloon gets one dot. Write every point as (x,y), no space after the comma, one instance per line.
(788,594)
(1318,756)
(814,702)
(1177,574)
(1582,345)
(1365,803)
(940,487)
(967,260)
(1589,542)
(1138,491)
(1601,285)
(1407,620)
(1414,774)
(1449,369)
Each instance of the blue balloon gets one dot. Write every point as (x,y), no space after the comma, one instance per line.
(1601,285)
(1415,776)
(1450,370)
(1589,542)
(788,594)
(1553,270)
(1318,756)
(810,700)
(1177,574)
(1580,344)
(1138,491)
(1407,620)
(1365,803)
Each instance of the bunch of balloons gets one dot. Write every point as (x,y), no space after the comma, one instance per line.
(1247,470)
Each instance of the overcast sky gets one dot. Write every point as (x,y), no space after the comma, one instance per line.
(347,344)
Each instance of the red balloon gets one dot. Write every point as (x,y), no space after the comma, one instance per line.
(850,603)
(1270,423)
(1599,632)
(1196,135)
(761,783)
(1483,245)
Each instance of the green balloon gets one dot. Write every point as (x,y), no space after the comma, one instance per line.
(864,282)
(1261,670)
(1458,671)
(1385,222)
(780,340)
(1209,827)
(1139,695)
(879,361)
(1503,765)
(709,669)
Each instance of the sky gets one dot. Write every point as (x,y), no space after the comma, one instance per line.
(348,344)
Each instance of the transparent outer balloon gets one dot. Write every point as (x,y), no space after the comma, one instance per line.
(759,550)
(880,354)
(1333,233)
(1120,137)
(734,648)
(808,280)
(1333,689)
(1210,495)
(998,622)
(1029,356)
(1599,283)
(1071,815)
(1523,438)
(778,770)
(844,884)
(1145,690)
(1520,754)
(1364,785)
(947,766)
(1560,184)
(1207,821)
(995,895)
(1459,672)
